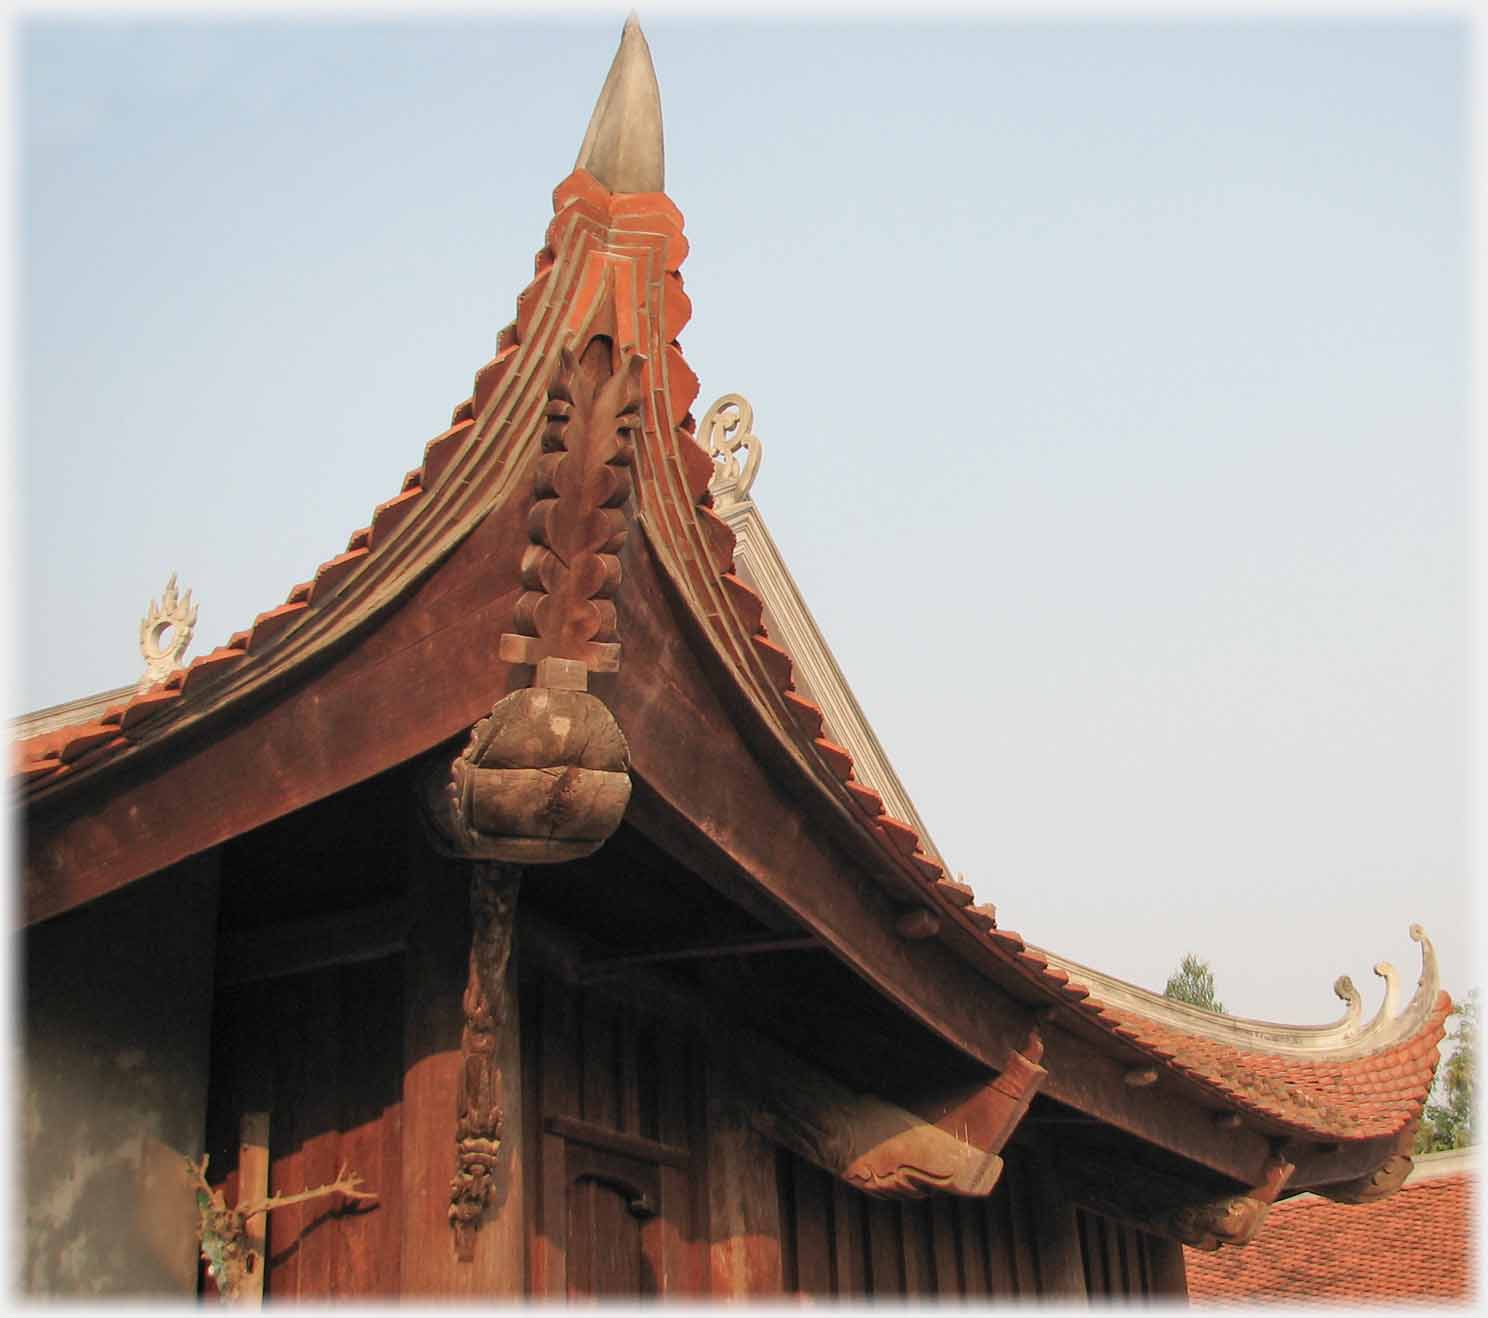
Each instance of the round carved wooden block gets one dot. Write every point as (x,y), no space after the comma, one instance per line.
(544,778)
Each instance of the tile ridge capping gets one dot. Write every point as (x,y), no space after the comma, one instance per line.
(1344,1039)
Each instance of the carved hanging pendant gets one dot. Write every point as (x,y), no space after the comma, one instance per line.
(478,1129)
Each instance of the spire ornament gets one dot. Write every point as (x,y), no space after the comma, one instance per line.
(165,633)
(623,145)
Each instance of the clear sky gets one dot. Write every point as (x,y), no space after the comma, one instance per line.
(1113,380)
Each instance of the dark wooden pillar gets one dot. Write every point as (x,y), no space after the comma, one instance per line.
(1169,1272)
(437,969)
(744,1257)
(1056,1234)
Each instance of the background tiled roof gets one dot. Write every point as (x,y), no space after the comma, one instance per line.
(1415,1245)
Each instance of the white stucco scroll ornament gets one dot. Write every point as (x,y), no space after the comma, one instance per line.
(726,428)
(165,632)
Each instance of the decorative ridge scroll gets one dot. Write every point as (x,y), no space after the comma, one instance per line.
(726,428)
(577,526)
(1342,1040)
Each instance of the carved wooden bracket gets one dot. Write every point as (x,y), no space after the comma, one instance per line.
(1383,1181)
(544,778)
(873,1145)
(1165,1205)
(480,1100)
(986,1115)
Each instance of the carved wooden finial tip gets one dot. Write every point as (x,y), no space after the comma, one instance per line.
(623,145)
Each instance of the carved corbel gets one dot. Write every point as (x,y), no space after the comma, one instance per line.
(873,1145)
(986,1115)
(544,778)
(1235,1219)
(1383,1181)
(1164,1205)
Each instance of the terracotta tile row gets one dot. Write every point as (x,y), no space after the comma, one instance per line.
(43,760)
(1415,1245)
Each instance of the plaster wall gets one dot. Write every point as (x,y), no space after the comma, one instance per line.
(111,1088)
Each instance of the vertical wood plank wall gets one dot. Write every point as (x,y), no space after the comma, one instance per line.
(1119,1260)
(640,1174)
(321,1052)
(838,1242)
(620,1104)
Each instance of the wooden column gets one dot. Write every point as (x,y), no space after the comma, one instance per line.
(437,977)
(1056,1235)
(743,1197)
(1169,1273)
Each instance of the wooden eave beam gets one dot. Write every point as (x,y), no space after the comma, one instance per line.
(609,965)
(943,992)
(727,811)
(426,672)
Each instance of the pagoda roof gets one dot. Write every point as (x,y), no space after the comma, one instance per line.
(611,264)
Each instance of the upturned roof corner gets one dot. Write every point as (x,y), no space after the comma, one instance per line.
(623,146)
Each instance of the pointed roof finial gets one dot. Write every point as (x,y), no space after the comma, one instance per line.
(623,146)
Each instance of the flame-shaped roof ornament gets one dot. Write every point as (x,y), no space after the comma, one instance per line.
(623,145)
(164,634)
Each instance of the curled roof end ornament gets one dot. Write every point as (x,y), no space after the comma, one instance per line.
(1387,972)
(623,146)
(1341,1039)
(1343,988)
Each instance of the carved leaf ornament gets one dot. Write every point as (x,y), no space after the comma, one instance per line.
(577,526)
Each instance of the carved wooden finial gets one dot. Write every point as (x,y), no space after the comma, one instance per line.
(172,616)
(577,525)
(726,428)
(623,146)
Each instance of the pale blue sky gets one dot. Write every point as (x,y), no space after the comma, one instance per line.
(1113,379)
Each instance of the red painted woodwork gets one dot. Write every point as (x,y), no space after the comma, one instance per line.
(322,1052)
(613,1100)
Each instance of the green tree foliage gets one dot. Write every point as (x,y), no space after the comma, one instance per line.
(1193,983)
(1448,1121)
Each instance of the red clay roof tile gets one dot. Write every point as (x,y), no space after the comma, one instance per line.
(1415,1245)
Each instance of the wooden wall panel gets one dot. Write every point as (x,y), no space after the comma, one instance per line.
(1023,1242)
(615,1169)
(1119,1260)
(322,1053)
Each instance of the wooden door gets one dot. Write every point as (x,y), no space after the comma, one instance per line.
(612,1105)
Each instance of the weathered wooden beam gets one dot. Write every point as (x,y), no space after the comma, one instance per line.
(875,1146)
(295,947)
(939,988)
(615,1141)
(1165,1205)
(426,669)
(600,967)
(1320,1165)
